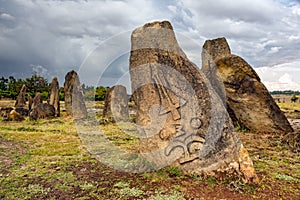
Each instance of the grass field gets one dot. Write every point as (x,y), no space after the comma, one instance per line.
(46,159)
(290,108)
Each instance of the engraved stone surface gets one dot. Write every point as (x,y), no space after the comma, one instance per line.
(74,100)
(116,103)
(248,101)
(181,121)
(54,96)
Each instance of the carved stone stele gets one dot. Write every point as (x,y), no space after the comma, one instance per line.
(181,120)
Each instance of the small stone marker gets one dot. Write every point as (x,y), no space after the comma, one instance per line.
(54,96)
(116,103)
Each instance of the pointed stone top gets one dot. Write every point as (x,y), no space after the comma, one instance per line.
(159,24)
(216,47)
(157,36)
(21,102)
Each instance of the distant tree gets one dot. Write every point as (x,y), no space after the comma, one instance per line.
(89,92)
(285,92)
(61,94)
(100,93)
(14,87)
(36,84)
(44,95)
(3,83)
(294,98)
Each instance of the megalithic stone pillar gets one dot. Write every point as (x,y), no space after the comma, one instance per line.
(74,99)
(54,96)
(30,101)
(247,99)
(21,102)
(116,103)
(181,120)
(37,100)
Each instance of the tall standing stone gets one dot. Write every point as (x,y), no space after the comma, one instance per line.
(74,99)
(116,103)
(248,101)
(180,119)
(21,102)
(30,101)
(54,96)
(36,100)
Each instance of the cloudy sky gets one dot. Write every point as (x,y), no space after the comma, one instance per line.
(51,37)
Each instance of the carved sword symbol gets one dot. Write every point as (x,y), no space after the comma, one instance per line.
(171,106)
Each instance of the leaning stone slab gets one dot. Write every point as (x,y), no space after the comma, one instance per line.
(21,102)
(181,120)
(248,101)
(116,103)
(36,100)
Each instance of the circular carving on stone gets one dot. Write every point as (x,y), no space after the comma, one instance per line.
(195,123)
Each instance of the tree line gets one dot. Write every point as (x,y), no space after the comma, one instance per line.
(285,92)
(10,88)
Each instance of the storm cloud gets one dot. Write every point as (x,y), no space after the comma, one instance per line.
(93,37)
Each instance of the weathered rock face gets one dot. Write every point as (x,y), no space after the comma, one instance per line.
(21,102)
(248,101)
(116,103)
(180,119)
(42,111)
(15,116)
(4,112)
(36,100)
(22,111)
(212,49)
(74,100)
(54,96)
(30,101)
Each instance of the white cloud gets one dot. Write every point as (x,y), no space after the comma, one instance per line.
(274,49)
(281,77)
(294,37)
(39,70)
(6,16)
(296,10)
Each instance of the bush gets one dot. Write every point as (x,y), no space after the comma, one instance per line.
(44,96)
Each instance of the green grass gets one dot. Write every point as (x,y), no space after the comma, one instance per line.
(289,109)
(289,106)
(48,161)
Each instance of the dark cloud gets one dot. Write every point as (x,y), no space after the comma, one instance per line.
(60,35)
